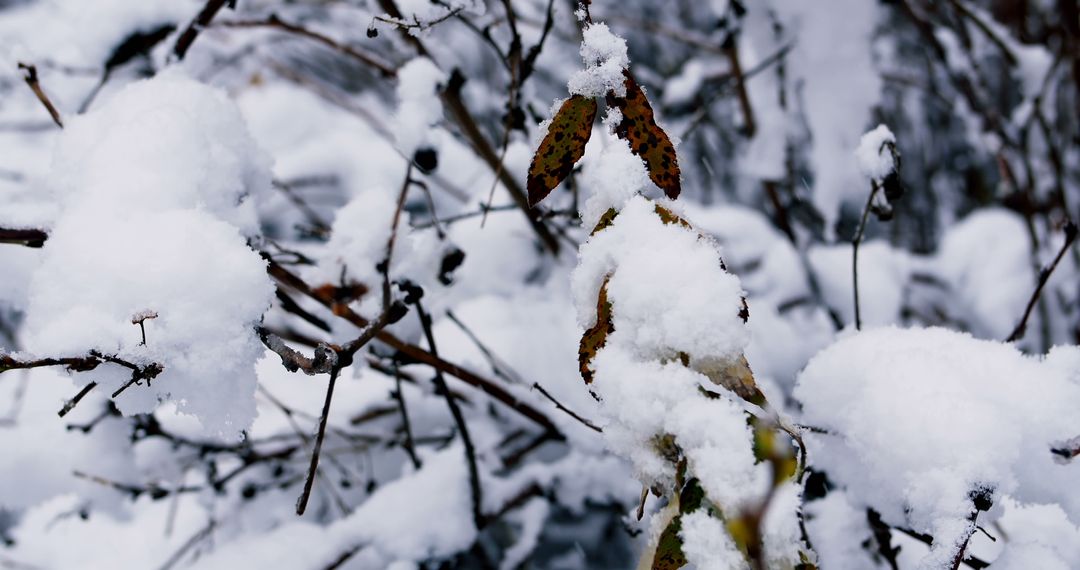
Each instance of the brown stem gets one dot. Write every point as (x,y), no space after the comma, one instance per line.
(568,411)
(31,78)
(855,253)
(732,52)
(74,401)
(459,420)
(1044,276)
(273,21)
(451,97)
(285,277)
(410,444)
(201,21)
(313,467)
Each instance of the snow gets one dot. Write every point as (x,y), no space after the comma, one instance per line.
(384,532)
(613,178)
(159,184)
(682,88)
(78,33)
(989,246)
(156,200)
(670,297)
(834,62)
(707,545)
(917,420)
(875,159)
(649,262)
(606,58)
(419,107)
(883,273)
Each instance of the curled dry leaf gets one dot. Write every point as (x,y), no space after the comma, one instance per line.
(562,147)
(595,338)
(646,138)
(735,375)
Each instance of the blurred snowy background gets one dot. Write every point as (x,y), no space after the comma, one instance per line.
(195,194)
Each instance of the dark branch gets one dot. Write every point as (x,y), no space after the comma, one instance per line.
(201,21)
(31,78)
(1044,276)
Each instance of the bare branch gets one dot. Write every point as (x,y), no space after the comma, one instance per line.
(1044,276)
(31,78)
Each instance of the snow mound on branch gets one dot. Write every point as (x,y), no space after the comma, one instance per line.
(918,420)
(669,286)
(605,59)
(155,190)
(875,160)
(613,177)
(669,296)
(169,143)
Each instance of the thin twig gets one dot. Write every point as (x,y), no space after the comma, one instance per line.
(313,467)
(568,411)
(498,366)
(29,238)
(188,545)
(273,21)
(74,401)
(732,52)
(198,24)
(285,277)
(31,79)
(1044,276)
(855,252)
(410,445)
(342,358)
(459,420)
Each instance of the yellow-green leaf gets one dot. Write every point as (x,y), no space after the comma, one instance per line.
(562,147)
(646,138)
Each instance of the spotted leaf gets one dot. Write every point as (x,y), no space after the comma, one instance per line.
(646,138)
(562,147)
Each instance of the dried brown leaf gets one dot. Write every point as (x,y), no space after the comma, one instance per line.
(562,147)
(646,138)
(595,338)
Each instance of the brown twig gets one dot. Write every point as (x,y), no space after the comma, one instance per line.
(855,252)
(731,50)
(1044,276)
(285,277)
(190,543)
(31,78)
(29,238)
(342,358)
(273,21)
(451,97)
(410,444)
(197,25)
(74,401)
(459,421)
(568,411)
(320,436)
(84,364)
